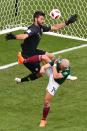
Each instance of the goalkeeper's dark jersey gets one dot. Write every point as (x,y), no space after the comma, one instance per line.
(65,73)
(35,33)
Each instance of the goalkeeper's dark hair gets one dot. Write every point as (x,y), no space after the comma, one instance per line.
(37,14)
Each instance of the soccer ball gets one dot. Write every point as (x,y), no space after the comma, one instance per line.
(55,14)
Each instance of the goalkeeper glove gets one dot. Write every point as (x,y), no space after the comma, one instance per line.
(10,36)
(71,20)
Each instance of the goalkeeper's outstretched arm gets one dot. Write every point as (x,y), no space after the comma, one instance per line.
(72,19)
(22,36)
(18,37)
(58,26)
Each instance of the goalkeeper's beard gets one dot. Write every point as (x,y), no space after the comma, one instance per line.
(40,23)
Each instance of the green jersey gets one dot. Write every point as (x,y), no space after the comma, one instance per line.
(65,73)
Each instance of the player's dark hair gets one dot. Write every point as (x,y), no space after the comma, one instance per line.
(37,14)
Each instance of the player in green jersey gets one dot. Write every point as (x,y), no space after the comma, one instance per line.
(57,72)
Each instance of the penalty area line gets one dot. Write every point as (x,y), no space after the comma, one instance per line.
(55,53)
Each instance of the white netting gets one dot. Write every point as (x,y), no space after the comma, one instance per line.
(16,13)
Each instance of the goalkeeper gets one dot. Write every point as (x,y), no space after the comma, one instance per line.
(32,38)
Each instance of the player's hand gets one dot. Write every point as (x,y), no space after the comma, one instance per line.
(10,36)
(72,19)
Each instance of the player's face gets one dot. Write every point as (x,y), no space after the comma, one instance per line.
(40,20)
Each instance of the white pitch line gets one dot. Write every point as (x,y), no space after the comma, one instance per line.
(8,65)
(70,49)
(58,52)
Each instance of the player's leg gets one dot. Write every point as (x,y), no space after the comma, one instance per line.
(50,92)
(32,59)
(46,57)
(46,109)
(34,68)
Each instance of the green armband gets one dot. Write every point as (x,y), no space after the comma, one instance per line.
(51,63)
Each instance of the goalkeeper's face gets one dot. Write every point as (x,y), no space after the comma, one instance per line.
(40,20)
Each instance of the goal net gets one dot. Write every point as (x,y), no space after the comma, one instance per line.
(15,14)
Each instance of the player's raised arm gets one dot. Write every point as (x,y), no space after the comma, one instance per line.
(29,32)
(71,20)
(56,75)
(58,26)
(11,36)
(21,36)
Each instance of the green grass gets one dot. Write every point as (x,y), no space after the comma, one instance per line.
(21,104)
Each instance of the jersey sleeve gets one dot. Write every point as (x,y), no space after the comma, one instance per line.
(31,31)
(46,28)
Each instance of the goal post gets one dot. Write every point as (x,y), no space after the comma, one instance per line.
(16,7)
(17,14)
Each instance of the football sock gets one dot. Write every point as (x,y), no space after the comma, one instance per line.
(32,59)
(31,77)
(45,112)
